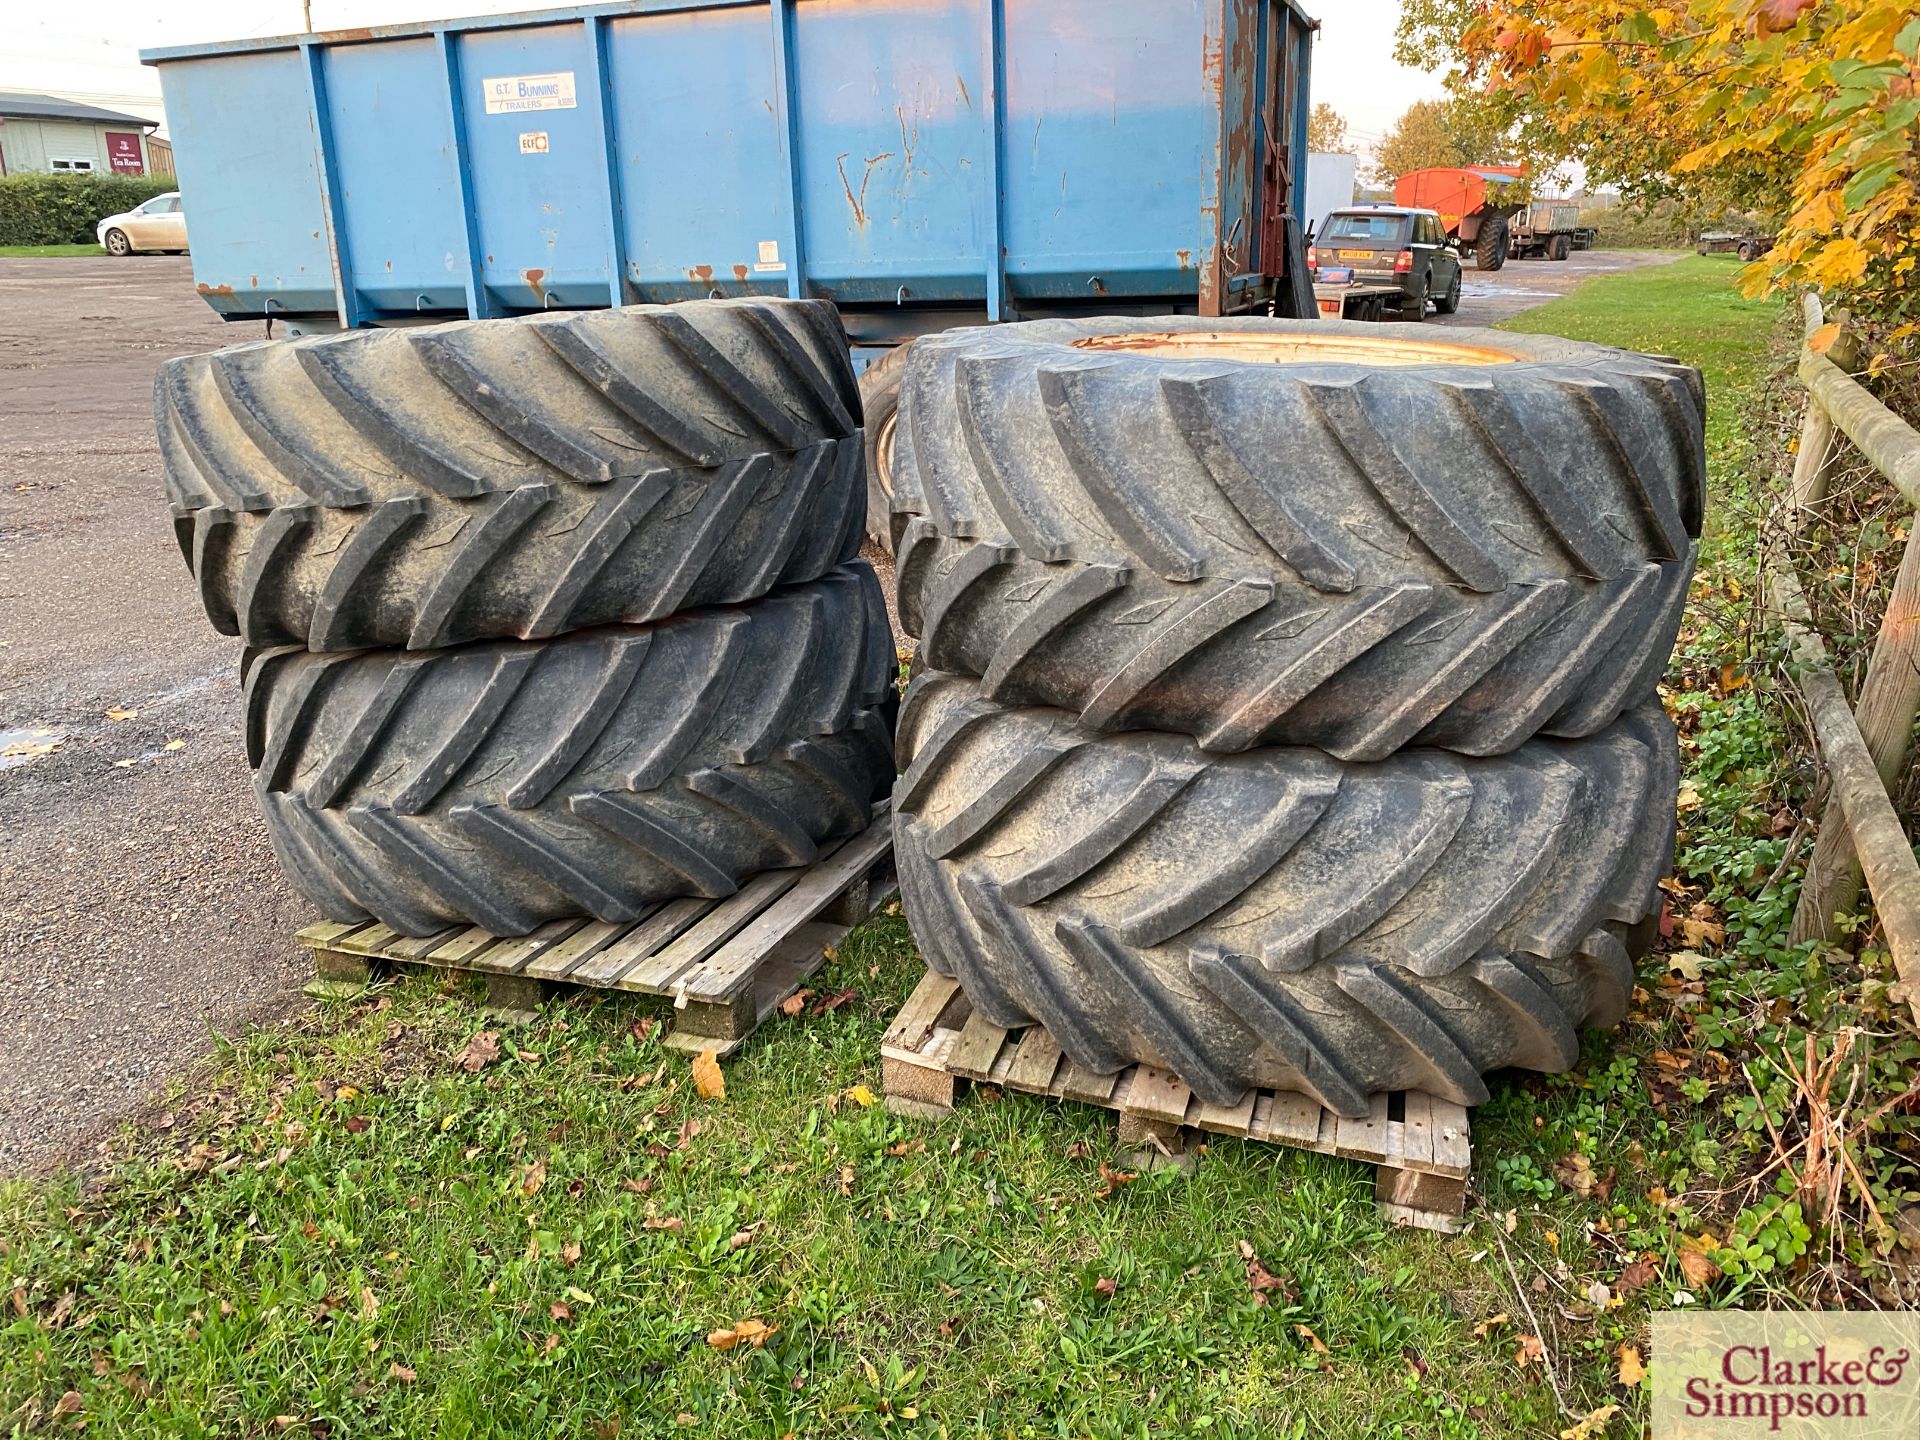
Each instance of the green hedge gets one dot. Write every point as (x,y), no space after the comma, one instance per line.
(63,209)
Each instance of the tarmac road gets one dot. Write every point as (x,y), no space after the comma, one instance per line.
(140,905)
(139,902)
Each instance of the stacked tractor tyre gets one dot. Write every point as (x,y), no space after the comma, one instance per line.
(1287,714)
(544,617)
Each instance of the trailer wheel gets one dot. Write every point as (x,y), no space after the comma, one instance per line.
(118,245)
(1744,251)
(1490,247)
(1561,248)
(880,401)
(1319,534)
(1278,918)
(507,783)
(491,478)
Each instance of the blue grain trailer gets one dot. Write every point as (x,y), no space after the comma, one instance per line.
(921,163)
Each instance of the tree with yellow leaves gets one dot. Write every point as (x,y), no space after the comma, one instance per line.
(1808,109)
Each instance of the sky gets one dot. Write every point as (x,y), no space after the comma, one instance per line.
(88,51)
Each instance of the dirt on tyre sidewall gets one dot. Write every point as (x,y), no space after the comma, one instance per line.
(507,783)
(485,479)
(1356,537)
(1277,918)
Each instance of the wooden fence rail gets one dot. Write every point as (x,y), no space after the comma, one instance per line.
(1865,751)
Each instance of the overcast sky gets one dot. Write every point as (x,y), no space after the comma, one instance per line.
(90,49)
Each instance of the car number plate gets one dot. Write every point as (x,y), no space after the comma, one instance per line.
(1339,275)
(1356,254)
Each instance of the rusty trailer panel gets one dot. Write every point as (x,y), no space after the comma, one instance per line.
(920,162)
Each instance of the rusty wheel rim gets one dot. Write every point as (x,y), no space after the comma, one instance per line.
(883,454)
(1297,348)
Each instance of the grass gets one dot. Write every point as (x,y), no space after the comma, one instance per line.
(341,1230)
(47,252)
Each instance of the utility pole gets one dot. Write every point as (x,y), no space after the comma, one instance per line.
(306,14)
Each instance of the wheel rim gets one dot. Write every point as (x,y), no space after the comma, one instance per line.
(883,454)
(1298,349)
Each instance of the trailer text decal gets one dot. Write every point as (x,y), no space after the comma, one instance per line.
(511,94)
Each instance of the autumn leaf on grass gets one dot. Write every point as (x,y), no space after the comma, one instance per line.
(1105,1287)
(1264,1282)
(742,1332)
(1632,1369)
(861,1096)
(663,1222)
(482,1050)
(532,1178)
(795,1002)
(1575,1172)
(707,1078)
(1531,1352)
(1699,1271)
(1305,1332)
(1637,1276)
(402,1373)
(1488,1326)
(1592,1426)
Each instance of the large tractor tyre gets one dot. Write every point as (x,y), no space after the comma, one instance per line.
(1266,532)
(507,783)
(486,479)
(1279,918)
(1561,248)
(880,401)
(1490,246)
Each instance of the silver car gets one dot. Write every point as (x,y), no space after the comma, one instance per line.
(160,224)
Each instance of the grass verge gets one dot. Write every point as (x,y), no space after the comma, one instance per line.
(364,1225)
(47,252)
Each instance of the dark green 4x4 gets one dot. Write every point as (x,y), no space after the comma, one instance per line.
(1389,245)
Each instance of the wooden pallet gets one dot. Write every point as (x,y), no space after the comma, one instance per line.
(1417,1143)
(726,964)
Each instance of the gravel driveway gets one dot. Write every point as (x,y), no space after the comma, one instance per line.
(139,902)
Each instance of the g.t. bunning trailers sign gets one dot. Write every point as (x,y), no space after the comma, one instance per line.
(511,94)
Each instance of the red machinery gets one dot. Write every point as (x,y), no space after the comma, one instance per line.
(1470,203)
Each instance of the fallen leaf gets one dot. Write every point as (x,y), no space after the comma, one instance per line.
(1637,1276)
(642,1028)
(1552,1237)
(707,1079)
(116,714)
(950,1326)
(1701,932)
(1305,1332)
(1264,1282)
(174,745)
(369,1304)
(636,1187)
(570,1254)
(663,1222)
(742,1332)
(861,1096)
(532,1178)
(1488,1326)
(1632,1368)
(1687,964)
(1111,1180)
(560,1310)
(1696,1268)
(359,1124)
(67,1404)
(795,1002)
(1592,1426)
(1532,1351)
(401,1373)
(1599,1295)
(1105,1286)
(482,1050)
(1575,1172)
(1415,1362)
(832,1002)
